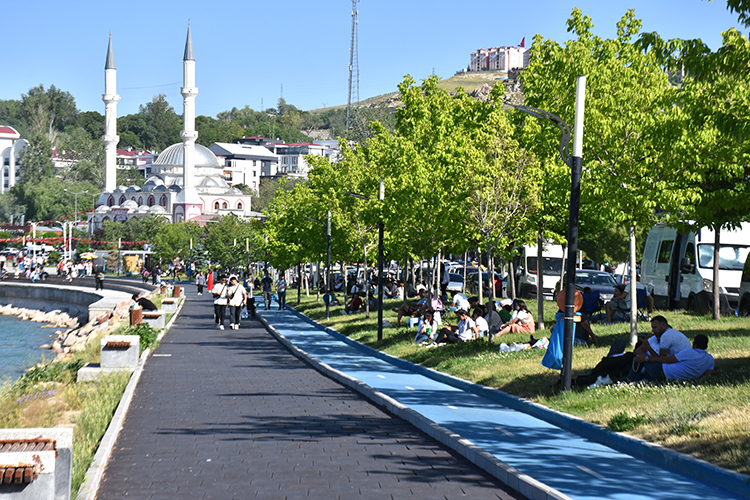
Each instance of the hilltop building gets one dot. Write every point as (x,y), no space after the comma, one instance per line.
(188,181)
(499,59)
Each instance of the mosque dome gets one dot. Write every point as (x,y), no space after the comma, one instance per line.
(130,204)
(157,209)
(143,209)
(102,209)
(160,189)
(174,156)
(133,189)
(213,182)
(175,187)
(234,192)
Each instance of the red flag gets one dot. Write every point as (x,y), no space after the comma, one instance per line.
(523,42)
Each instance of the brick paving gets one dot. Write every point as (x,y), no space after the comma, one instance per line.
(232,414)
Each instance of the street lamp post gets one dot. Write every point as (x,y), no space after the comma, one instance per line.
(575,163)
(75,202)
(381,231)
(327,298)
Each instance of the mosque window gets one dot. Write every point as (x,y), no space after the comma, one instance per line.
(225,205)
(111,201)
(122,199)
(216,205)
(163,201)
(151,201)
(140,200)
(239,205)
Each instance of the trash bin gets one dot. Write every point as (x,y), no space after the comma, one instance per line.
(136,316)
(163,290)
(177,291)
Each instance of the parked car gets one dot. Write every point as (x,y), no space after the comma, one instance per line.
(456,282)
(598,281)
(472,285)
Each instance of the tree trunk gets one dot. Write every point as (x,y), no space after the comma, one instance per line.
(299,282)
(511,281)
(406,274)
(479,275)
(343,279)
(307,282)
(633,290)
(715,290)
(367,288)
(317,281)
(438,277)
(463,287)
(540,280)
(490,272)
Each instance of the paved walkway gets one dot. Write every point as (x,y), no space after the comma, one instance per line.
(575,466)
(232,414)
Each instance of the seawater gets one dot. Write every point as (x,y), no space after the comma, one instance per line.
(19,345)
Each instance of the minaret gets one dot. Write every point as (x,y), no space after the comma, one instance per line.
(110,137)
(188,204)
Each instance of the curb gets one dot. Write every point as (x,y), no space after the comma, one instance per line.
(514,479)
(94,474)
(664,457)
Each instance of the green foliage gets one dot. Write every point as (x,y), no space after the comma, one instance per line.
(147,334)
(622,422)
(155,127)
(47,111)
(135,229)
(226,241)
(63,371)
(173,240)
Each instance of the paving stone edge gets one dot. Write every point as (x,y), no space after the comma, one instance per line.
(516,480)
(95,472)
(665,457)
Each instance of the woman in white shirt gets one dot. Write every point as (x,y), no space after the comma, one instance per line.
(483,329)
(521,320)
(463,332)
(427,329)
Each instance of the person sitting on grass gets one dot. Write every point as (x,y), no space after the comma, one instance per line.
(483,329)
(416,308)
(493,318)
(505,311)
(427,329)
(465,331)
(618,309)
(354,305)
(521,321)
(460,301)
(686,364)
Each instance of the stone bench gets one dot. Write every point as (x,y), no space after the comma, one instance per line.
(36,463)
(118,353)
(169,305)
(154,319)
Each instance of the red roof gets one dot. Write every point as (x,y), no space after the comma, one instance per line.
(9,132)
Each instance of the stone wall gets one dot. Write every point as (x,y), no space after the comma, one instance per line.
(49,298)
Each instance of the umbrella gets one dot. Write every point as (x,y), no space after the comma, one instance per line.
(89,255)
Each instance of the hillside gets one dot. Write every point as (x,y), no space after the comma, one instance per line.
(471,83)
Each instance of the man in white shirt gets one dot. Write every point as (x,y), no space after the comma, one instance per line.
(666,341)
(460,301)
(687,364)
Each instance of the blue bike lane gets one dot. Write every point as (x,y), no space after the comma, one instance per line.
(562,452)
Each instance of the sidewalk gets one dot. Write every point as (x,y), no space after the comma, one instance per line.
(578,467)
(233,414)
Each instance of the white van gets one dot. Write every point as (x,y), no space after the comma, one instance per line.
(678,267)
(525,265)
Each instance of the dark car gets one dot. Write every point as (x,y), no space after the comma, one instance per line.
(598,281)
(472,286)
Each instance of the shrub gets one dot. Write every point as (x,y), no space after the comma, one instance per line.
(147,334)
(622,422)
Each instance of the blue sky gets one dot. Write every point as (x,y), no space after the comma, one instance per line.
(245,51)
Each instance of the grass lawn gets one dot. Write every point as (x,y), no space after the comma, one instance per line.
(706,418)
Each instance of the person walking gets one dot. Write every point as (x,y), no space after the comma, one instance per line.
(200,282)
(266,286)
(281,290)
(99,280)
(237,297)
(220,301)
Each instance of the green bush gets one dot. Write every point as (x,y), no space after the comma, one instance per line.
(147,334)
(63,372)
(622,422)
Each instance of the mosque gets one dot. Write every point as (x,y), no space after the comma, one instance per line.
(187,181)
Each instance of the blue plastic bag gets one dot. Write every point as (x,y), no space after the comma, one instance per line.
(554,355)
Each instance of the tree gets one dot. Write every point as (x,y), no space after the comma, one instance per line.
(174,241)
(708,133)
(135,229)
(627,94)
(162,124)
(226,241)
(83,157)
(48,111)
